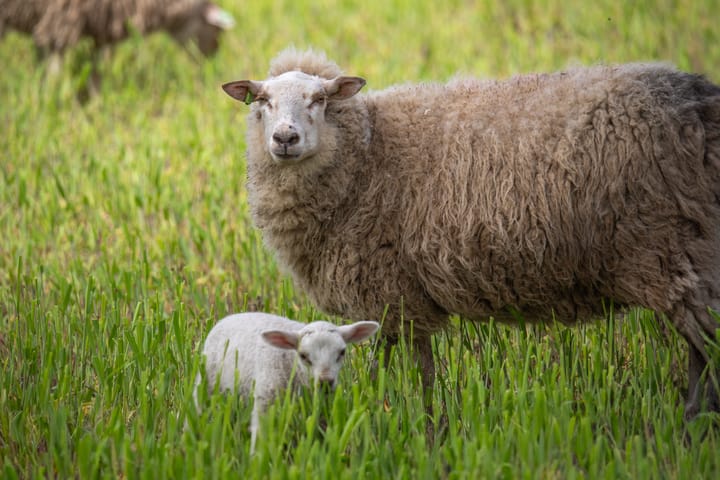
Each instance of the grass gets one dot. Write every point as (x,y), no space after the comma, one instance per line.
(126,235)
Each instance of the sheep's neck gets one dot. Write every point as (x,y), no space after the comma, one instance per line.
(306,211)
(299,212)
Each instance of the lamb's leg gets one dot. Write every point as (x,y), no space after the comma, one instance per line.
(254,425)
(196,402)
(260,405)
(198,380)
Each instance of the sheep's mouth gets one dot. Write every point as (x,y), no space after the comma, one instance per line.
(286,157)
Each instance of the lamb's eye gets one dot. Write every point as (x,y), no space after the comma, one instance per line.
(304,357)
(341,354)
(263,102)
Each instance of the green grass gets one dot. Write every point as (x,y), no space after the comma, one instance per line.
(125,234)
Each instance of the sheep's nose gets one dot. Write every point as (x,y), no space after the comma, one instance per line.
(286,137)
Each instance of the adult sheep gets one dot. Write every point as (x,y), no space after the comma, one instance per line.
(540,195)
(57,25)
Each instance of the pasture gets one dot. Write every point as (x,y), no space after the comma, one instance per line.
(125,234)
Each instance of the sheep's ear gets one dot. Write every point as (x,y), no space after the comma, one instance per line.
(280,339)
(358,331)
(243,90)
(218,17)
(340,88)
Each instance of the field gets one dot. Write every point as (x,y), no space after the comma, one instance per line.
(125,234)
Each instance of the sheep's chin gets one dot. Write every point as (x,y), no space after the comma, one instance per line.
(287,159)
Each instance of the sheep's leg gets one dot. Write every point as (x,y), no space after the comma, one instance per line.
(90,88)
(696,365)
(696,324)
(702,387)
(100,55)
(390,342)
(54,64)
(423,351)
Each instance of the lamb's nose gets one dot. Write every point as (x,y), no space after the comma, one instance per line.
(286,138)
(326,385)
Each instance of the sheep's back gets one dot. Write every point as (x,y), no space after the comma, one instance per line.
(20,15)
(546,193)
(59,24)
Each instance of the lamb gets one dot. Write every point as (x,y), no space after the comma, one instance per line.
(266,353)
(534,197)
(59,24)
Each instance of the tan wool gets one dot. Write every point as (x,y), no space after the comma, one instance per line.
(540,196)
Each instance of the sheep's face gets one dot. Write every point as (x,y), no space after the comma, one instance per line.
(321,347)
(201,26)
(291,110)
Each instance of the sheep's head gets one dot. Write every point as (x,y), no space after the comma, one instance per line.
(201,25)
(321,346)
(291,110)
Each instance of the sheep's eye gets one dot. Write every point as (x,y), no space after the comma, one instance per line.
(304,357)
(317,102)
(263,101)
(341,354)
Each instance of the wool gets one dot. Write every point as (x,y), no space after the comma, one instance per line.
(59,24)
(540,196)
(258,355)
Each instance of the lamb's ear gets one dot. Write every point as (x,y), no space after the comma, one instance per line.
(358,331)
(280,339)
(243,90)
(340,88)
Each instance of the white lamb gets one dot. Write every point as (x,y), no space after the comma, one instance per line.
(261,350)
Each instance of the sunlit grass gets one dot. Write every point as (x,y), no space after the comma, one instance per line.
(125,234)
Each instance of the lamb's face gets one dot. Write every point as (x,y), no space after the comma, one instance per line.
(321,353)
(291,110)
(321,347)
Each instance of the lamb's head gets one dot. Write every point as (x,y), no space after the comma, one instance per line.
(320,347)
(290,109)
(200,24)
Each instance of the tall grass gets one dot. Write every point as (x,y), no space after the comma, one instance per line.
(125,234)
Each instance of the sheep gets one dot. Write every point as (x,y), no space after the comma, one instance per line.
(535,198)
(261,354)
(57,25)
